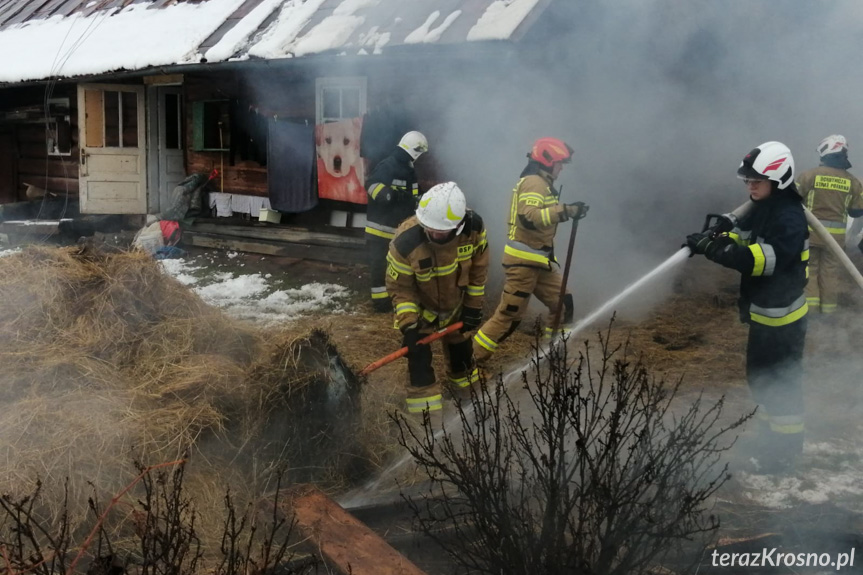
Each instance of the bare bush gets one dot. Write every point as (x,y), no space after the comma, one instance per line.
(155,535)
(600,471)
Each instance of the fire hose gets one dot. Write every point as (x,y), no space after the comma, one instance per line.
(716,224)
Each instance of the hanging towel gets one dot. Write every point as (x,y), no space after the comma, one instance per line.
(340,168)
(222,203)
(291,167)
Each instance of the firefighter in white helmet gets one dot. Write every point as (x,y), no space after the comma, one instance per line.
(438,263)
(831,194)
(770,248)
(393,194)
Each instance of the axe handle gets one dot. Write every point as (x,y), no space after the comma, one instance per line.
(404,351)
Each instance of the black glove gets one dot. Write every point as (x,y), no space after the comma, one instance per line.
(410,336)
(698,243)
(471,318)
(576,210)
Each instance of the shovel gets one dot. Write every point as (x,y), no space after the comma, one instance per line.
(404,351)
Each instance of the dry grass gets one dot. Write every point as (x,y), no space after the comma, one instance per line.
(107,360)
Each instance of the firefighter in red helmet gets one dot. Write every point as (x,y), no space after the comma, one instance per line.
(528,259)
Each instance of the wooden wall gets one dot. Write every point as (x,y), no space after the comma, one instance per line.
(291,94)
(285,94)
(32,164)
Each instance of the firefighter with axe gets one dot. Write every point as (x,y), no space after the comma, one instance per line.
(436,274)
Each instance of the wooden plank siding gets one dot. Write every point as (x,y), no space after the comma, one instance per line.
(58,174)
(8,165)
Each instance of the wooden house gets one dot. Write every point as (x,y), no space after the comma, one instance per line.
(113,102)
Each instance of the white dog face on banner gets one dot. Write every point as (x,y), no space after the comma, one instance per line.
(338,146)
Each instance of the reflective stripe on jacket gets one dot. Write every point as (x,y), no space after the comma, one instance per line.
(829,193)
(434,281)
(533,217)
(770,249)
(393,193)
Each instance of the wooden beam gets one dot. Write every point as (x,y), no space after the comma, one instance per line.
(290,250)
(346,544)
(272,233)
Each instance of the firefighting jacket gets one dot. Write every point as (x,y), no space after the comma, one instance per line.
(831,194)
(393,194)
(533,217)
(770,248)
(434,281)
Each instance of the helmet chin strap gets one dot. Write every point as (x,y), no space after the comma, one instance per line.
(460,227)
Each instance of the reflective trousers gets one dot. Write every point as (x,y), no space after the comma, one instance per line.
(423,389)
(774,370)
(825,278)
(521,282)
(376,250)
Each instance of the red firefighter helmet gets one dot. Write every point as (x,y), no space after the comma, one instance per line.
(549,151)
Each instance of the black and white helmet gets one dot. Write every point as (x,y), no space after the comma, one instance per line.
(769,161)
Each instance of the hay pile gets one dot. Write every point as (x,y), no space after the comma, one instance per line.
(106,360)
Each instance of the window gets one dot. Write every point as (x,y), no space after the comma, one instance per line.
(112,119)
(340,98)
(211,125)
(59,128)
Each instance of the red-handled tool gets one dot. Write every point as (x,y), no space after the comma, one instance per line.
(404,351)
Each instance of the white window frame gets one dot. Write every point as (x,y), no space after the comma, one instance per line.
(353,82)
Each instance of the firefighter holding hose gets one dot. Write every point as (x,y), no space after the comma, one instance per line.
(769,246)
(832,194)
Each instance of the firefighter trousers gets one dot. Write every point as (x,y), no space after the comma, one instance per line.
(376,250)
(774,370)
(423,389)
(825,278)
(521,282)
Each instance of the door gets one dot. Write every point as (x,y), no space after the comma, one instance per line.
(8,168)
(165,155)
(113,159)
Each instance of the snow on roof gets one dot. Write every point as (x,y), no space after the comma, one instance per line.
(116,35)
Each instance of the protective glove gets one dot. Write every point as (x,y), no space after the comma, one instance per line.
(576,210)
(471,318)
(698,243)
(410,336)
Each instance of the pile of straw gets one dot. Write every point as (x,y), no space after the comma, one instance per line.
(106,360)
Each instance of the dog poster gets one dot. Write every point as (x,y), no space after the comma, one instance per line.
(341,171)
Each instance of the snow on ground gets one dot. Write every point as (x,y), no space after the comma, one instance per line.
(826,472)
(258,297)
(8,251)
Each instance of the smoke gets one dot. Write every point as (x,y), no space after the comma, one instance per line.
(660,99)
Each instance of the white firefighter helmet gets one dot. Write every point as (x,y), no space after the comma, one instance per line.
(415,144)
(769,161)
(832,145)
(442,208)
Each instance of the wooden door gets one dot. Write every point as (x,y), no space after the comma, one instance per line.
(113,149)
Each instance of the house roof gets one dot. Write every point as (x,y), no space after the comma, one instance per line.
(44,39)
